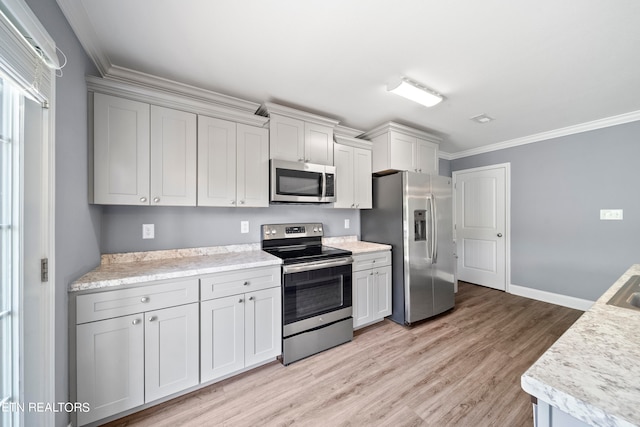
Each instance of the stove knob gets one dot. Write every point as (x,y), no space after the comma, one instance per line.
(320,229)
(273,231)
(315,229)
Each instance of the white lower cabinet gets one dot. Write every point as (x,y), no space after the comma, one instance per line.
(127,361)
(371,288)
(239,331)
(133,347)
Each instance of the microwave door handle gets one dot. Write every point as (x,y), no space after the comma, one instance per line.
(324,185)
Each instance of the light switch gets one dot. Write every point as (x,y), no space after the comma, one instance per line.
(148,231)
(346,223)
(614,214)
(244,226)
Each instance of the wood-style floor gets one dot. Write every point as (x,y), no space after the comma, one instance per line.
(460,369)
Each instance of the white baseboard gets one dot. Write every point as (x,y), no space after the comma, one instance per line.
(550,297)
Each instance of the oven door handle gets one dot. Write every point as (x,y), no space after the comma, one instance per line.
(297,268)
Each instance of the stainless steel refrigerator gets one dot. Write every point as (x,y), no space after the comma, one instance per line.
(412,212)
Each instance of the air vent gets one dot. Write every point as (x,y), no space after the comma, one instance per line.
(482,118)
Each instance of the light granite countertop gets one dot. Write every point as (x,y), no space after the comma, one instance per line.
(351,243)
(139,267)
(591,372)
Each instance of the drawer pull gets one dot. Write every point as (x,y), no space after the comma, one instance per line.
(135,321)
(240,300)
(251,298)
(246,283)
(144,299)
(153,319)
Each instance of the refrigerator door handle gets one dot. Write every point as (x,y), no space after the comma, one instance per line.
(434,230)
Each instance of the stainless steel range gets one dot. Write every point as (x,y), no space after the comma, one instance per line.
(316,289)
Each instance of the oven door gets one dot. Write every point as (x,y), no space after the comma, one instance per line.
(316,297)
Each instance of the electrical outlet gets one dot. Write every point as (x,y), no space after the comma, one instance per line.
(347,223)
(613,214)
(148,231)
(244,226)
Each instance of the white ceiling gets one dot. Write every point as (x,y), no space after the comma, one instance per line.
(536,66)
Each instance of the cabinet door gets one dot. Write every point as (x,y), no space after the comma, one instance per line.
(263,333)
(110,366)
(286,138)
(402,152)
(362,297)
(221,337)
(252,166)
(344,176)
(173,157)
(172,343)
(382,292)
(362,184)
(426,157)
(318,144)
(216,162)
(121,151)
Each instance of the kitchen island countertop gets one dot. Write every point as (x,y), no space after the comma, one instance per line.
(591,372)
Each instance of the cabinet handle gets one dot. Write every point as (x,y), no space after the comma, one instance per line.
(242,202)
(352,205)
(358,205)
(251,298)
(301,160)
(135,321)
(143,199)
(373,261)
(144,299)
(233,202)
(156,199)
(153,319)
(240,300)
(306,160)
(420,170)
(246,283)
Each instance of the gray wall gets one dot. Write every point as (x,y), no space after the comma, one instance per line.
(444,167)
(558,242)
(183,227)
(77,225)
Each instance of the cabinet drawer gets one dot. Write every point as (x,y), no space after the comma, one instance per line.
(371,260)
(238,282)
(122,302)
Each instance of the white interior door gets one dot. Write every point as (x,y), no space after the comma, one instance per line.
(481,225)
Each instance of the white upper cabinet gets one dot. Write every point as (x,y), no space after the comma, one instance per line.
(146,152)
(398,147)
(121,151)
(318,144)
(286,136)
(233,164)
(143,154)
(353,173)
(173,157)
(299,136)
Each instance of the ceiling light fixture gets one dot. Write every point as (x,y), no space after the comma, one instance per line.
(415,92)
(482,118)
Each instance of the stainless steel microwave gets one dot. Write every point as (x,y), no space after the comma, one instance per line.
(298,182)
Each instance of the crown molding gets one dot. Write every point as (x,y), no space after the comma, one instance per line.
(269,108)
(171,99)
(347,131)
(353,142)
(77,17)
(406,130)
(543,136)
(138,78)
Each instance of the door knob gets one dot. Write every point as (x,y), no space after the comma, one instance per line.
(499,234)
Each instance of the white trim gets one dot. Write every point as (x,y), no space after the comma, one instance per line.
(22,16)
(405,130)
(269,108)
(507,213)
(551,297)
(79,20)
(543,136)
